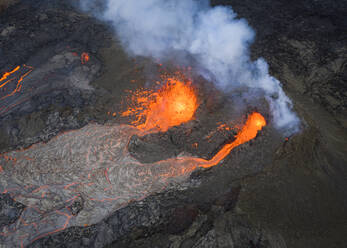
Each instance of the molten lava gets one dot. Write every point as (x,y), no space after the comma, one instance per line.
(175,103)
(249,131)
(84,58)
(4,84)
(6,74)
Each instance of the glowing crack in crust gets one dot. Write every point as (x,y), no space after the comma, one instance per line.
(11,83)
(21,84)
(5,81)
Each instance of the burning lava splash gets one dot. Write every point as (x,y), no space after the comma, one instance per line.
(175,103)
(92,167)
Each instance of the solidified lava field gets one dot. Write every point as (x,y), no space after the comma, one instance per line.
(101,148)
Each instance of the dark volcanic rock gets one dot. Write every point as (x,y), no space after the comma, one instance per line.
(305,44)
(181,219)
(149,149)
(56,94)
(202,141)
(10,210)
(34,25)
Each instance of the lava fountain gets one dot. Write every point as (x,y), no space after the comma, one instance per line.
(175,103)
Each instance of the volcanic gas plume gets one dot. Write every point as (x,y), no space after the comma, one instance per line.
(210,39)
(93,169)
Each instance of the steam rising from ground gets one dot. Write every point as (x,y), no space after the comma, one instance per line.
(213,37)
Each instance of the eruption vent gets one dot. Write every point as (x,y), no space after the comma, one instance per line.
(175,103)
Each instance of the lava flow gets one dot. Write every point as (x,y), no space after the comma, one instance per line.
(249,131)
(6,75)
(175,103)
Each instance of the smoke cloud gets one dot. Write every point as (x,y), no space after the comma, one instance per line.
(214,37)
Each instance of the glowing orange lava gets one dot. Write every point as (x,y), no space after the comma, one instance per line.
(6,74)
(175,103)
(19,84)
(253,125)
(84,58)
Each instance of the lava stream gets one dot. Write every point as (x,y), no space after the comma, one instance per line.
(4,84)
(249,131)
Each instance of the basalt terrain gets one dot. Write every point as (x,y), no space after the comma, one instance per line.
(61,103)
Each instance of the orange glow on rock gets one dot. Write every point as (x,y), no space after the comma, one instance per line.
(175,103)
(84,58)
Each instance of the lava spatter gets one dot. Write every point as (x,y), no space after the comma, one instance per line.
(173,104)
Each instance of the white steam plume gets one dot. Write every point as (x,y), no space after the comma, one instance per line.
(212,36)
